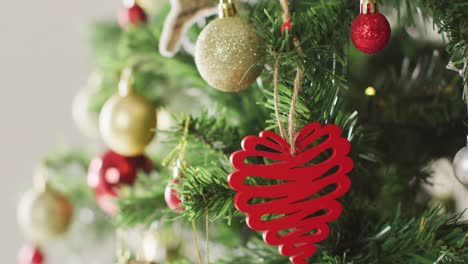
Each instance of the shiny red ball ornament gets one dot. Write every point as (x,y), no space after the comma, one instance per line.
(131,14)
(30,255)
(370,30)
(296,199)
(172,197)
(108,172)
(286,25)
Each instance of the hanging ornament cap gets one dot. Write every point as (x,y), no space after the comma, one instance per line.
(368,6)
(126,82)
(226,8)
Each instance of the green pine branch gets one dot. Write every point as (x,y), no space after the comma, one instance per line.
(206,190)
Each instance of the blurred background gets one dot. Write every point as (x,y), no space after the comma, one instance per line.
(43,62)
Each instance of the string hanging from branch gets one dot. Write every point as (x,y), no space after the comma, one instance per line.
(292,211)
(286,16)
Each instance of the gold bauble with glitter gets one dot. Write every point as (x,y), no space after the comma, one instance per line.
(128,123)
(44,214)
(229,53)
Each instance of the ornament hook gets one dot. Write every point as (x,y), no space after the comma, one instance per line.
(368,6)
(125,83)
(226,8)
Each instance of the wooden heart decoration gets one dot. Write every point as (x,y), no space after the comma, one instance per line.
(290,204)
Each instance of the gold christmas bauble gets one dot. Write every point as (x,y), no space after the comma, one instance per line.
(128,123)
(228,54)
(44,215)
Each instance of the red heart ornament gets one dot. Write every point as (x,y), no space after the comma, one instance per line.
(292,211)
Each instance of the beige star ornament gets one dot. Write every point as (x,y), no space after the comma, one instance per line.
(183,14)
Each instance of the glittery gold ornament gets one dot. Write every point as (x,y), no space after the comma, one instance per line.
(228,52)
(44,214)
(128,121)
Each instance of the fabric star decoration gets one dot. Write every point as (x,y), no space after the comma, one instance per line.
(183,14)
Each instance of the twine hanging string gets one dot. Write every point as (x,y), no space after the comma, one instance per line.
(292,111)
(195,238)
(286,16)
(276,96)
(207,236)
(179,153)
(286,12)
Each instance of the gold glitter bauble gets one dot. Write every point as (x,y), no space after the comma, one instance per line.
(228,54)
(44,215)
(128,124)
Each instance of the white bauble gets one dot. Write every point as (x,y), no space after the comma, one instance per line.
(442,180)
(86,120)
(460,166)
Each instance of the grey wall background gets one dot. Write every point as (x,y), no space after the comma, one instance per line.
(43,63)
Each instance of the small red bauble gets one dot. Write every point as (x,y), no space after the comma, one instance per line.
(286,25)
(370,31)
(108,172)
(172,197)
(105,201)
(295,197)
(30,255)
(132,14)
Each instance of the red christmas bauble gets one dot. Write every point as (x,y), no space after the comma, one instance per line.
(105,201)
(172,197)
(30,255)
(370,32)
(108,172)
(132,15)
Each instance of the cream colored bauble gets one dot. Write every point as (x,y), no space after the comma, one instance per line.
(442,180)
(128,123)
(153,248)
(44,215)
(165,120)
(86,120)
(162,242)
(460,166)
(229,54)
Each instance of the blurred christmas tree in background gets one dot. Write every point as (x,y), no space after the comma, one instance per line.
(363,115)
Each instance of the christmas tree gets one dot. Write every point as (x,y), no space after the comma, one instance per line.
(362,108)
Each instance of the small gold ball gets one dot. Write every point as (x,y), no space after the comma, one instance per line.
(228,54)
(44,215)
(370,91)
(128,124)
